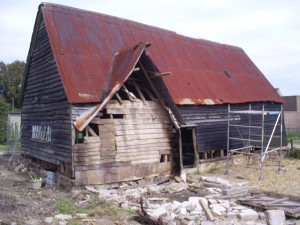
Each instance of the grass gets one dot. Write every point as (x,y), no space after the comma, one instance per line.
(2,148)
(295,154)
(293,136)
(97,208)
(68,206)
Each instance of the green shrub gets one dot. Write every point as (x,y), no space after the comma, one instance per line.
(4,109)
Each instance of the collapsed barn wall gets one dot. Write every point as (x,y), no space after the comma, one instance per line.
(46,124)
(125,141)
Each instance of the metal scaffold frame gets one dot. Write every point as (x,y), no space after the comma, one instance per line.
(249,144)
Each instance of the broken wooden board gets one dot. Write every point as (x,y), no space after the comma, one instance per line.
(264,201)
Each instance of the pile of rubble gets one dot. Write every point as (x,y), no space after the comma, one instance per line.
(217,207)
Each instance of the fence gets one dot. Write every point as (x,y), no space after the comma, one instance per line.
(13,138)
(293,133)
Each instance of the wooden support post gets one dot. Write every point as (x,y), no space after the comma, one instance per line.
(90,130)
(127,92)
(165,158)
(119,98)
(205,155)
(140,93)
(180,151)
(152,85)
(222,153)
(150,94)
(196,153)
(156,75)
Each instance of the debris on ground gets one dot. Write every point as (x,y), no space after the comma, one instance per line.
(193,199)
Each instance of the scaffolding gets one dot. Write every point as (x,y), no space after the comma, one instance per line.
(247,135)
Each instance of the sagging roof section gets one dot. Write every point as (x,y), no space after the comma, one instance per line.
(203,72)
(122,66)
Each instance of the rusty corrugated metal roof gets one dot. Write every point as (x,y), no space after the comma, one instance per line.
(203,72)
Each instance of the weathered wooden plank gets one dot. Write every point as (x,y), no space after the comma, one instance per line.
(102,121)
(144,131)
(89,177)
(114,104)
(130,157)
(84,163)
(156,146)
(142,121)
(79,147)
(107,135)
(151,116)
(92,139)
(108,153)
(136,111)
(137,153)
(143,137)
(141,127)
(87,158)
(107,160)
(143,142)
(133,162)
(87,154)
(150,147)
(165,152)
(90,130)
(102,166)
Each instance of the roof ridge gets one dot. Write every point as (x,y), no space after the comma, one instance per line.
(143,25)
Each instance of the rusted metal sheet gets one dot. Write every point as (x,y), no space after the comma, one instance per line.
(122,66)
(203,72)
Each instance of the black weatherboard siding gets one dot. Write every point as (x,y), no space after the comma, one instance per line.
(211,124)
(45,104)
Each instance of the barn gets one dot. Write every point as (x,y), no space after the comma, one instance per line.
(107,99)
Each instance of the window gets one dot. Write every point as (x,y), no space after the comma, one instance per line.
(41,132)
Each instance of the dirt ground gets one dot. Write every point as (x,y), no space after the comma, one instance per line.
(285,181)
(19,204)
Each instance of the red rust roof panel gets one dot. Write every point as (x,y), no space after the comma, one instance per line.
(84,44)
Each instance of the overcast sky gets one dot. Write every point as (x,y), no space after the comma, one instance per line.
(267,30)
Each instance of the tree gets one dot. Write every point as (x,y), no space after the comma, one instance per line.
(11,79)
(4,109)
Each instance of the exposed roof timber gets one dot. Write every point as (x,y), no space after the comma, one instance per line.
(156,75)
(123,66)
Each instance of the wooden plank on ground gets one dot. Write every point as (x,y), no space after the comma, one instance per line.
(207,211)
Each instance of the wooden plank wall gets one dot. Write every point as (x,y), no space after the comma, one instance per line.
(131,146)
(45,104)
